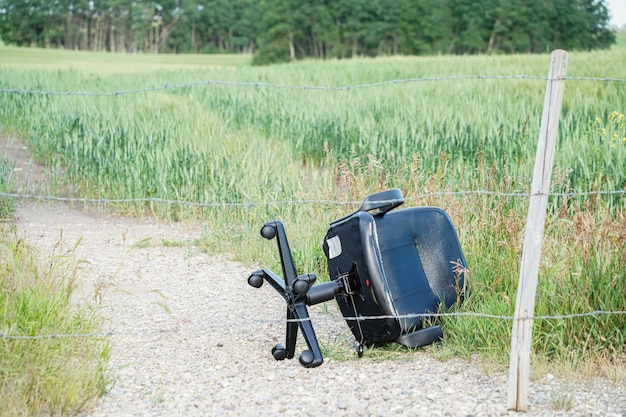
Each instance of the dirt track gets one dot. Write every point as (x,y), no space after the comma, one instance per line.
(190,337)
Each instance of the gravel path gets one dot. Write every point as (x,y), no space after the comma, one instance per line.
(190,337)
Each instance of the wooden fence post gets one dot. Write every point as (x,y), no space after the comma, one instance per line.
(521,340)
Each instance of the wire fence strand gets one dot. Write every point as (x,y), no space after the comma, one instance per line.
(296,202)
(298,87)
(324,317)
(479,315)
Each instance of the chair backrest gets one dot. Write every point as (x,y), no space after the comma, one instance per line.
(405,265)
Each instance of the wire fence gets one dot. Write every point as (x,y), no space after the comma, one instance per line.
(298,87)
(297,202)
(595,313)
(327,317)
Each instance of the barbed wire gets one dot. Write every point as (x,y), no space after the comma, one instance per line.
(295,202)
(606,79)
(300,87)
(320,201)
(56,336)
(321,318)
(479,315)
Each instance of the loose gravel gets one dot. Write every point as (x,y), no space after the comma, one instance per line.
(190,338)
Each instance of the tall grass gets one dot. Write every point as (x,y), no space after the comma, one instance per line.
(245,145)
(582,265)
(115,143)
(45,376)
(7,205)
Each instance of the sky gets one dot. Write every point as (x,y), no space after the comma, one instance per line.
(617,8)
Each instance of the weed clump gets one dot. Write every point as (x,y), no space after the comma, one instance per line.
(49,362)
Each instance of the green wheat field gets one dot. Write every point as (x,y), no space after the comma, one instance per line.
(244,151)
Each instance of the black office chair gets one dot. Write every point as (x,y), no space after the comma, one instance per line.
(388,271)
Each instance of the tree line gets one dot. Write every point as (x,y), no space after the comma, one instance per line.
(284,30)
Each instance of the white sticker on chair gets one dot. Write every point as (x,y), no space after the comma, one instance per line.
(334,247)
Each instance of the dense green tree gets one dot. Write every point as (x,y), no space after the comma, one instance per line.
(277,35)
(429,26)
(285,30)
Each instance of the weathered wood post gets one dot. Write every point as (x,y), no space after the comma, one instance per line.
(521,340)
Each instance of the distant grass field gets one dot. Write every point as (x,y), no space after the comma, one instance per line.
(243,147)
(106,63)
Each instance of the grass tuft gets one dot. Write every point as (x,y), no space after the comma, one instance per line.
(45,376)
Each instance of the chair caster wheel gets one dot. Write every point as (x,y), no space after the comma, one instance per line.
(301,286)
(359,350)
(306,358)
(268,232)
(255,280)
(279,352)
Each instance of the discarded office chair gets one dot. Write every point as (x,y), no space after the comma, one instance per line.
(388,270)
